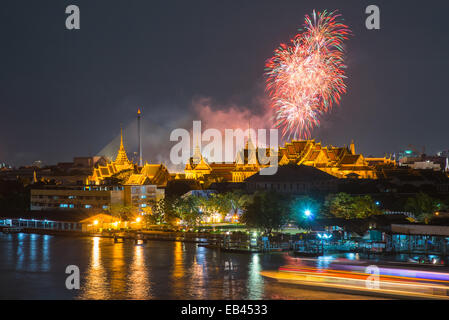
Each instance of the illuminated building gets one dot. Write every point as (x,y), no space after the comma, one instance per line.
(76,198)
(245,165)
(61,221)
(112,168)
(156,174)
(340,162)
(142,196)
(127,173)
(95,198)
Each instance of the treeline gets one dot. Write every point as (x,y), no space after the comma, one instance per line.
(270,211)
(261,210)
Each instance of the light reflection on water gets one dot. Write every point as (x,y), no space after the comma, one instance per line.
(139,276)
(33,267)
(95,286)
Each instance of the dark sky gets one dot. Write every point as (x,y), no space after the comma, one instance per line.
(65,93)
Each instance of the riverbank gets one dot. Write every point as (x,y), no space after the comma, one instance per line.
(209,240)
(130,235)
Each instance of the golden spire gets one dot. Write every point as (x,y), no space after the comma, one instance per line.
(121,139)
(121,154)
(352,147)
(197,156)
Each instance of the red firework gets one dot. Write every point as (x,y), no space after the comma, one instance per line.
(305,78)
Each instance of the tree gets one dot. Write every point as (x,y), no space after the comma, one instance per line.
(188,209)
(230,202)
(154,214)
(343,205)
(422,206)
(237,200)
(364,207)
(267,211)
(168,206)
(124,213)
(339,205)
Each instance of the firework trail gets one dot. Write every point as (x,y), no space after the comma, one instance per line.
(305,78)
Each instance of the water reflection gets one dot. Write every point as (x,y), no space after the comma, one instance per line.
(154,270)
(118,269)
(255,280)
(178,266)
(139,276)
(45,265)
(33,251)
(20,251)
(95,286)
(199,271)
(178,269)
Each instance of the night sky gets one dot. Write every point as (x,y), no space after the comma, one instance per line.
(65,93)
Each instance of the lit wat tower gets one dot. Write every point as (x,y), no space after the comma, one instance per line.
(139,138)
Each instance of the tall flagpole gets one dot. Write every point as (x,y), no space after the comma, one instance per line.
(139,138)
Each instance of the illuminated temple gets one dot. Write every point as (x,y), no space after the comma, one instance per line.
(341,162)
(245,165)
(124,170)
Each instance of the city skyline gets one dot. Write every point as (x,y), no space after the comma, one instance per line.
(395,75)
(224,156)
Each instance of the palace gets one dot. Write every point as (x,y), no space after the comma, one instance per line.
(340,162)
(245,165)
(112,168)
(128,173)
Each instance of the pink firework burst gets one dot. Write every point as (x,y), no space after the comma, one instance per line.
(306,78)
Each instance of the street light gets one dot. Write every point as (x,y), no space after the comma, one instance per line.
(308,213)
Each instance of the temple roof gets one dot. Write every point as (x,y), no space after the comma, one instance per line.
(122,158)
(150,170)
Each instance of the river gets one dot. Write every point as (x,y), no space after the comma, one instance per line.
(33,267)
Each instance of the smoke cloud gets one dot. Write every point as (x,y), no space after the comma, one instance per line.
(156,129)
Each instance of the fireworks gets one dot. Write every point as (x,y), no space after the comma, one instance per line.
(306,78)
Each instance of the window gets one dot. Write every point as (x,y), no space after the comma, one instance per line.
(87,206)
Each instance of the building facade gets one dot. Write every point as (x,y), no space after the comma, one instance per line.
(340,162)
(85,198)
